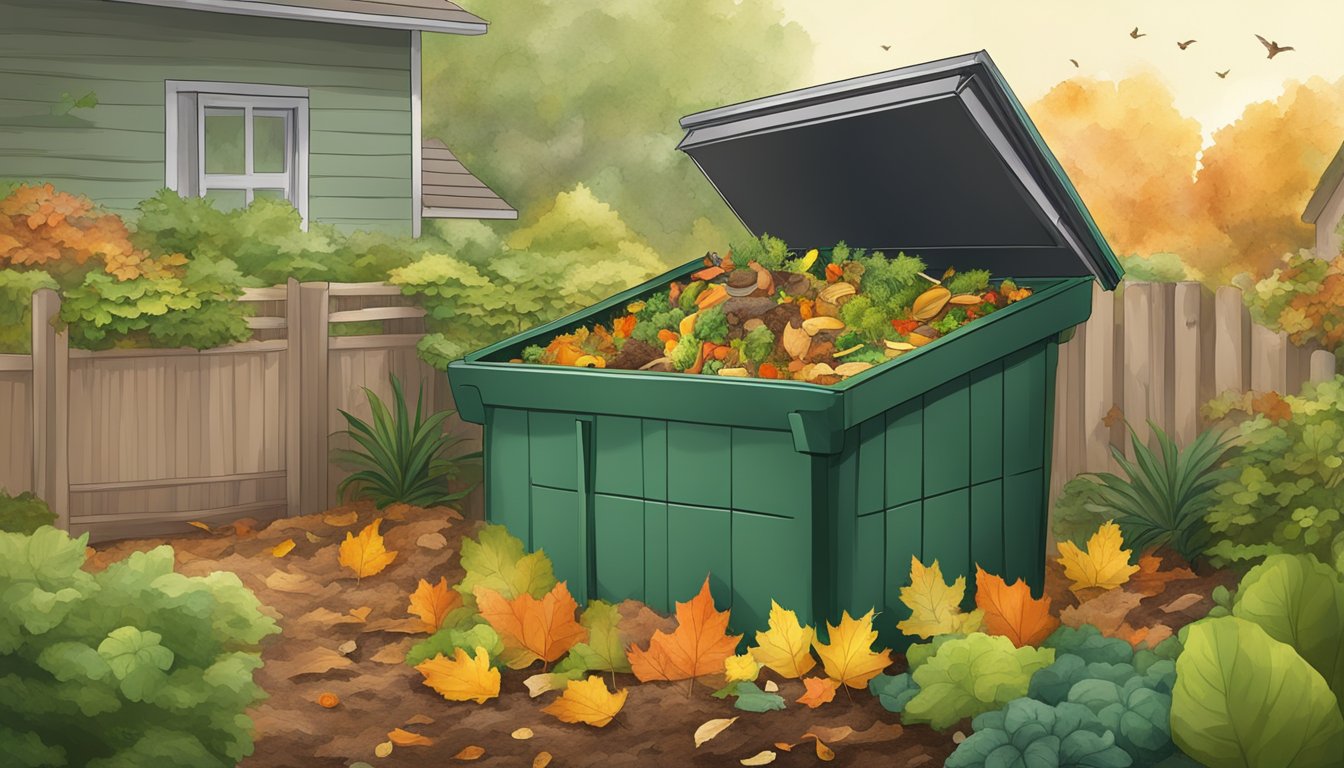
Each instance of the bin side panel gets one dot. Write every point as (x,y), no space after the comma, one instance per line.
(655,459)
(699,544)
(987,422)
(618,535)
(1024,529)
(556,521)
(508,501)
(870,588)
(870,495)
(772,560)
(947,437)
(768,475)
(987,526)
(655,556)
(904,452)
(699,464)
(904,540)
(947,541)
(553,450)
(1024,409)
(619,468)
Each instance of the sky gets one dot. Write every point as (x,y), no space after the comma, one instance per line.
(1033,40)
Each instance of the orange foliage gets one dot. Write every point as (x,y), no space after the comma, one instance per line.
(1011,611)
(530,628)
(433,602)
(699,646)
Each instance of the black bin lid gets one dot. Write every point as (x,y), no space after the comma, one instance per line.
(938,159)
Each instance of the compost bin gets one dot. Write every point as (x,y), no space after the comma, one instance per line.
(638,484)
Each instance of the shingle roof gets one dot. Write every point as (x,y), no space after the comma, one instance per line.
(449,191)
(1326,188)
(425,15)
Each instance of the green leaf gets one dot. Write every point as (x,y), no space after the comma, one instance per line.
(27,750)
(1243,698)
(971,675)
(136,659)
(495,559)
(1298,600)
(1030,734)
(1052,684)
(605,649)
(751,698)
(893,691)
(919,653)
(448,639)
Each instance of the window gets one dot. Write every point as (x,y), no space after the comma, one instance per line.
(234,143)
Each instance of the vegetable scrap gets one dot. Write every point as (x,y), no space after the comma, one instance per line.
(763,311)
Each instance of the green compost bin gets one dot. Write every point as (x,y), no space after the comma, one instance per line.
(639,484)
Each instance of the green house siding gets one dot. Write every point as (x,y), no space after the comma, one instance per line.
(358,82)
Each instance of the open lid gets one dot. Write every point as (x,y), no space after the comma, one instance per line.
(939,160)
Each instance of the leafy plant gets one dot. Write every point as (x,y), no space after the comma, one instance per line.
(1303,297)
(143,659)
(1077,513)
(1031,733)
(16,308)
(972,675)
(1243,698)
(403,455)
(447,640)
(1162,499)
(1287,481)
(24,513)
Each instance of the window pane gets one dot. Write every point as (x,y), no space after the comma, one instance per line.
(268,142)
(224,141)
(268,194)
(227,199)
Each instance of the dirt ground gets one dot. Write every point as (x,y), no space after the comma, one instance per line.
(321,608)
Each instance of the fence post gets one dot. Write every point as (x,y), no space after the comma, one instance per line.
(1269,360)
(1139,376)
(1231,341)
(308,395)
(51,402)
(293,397)
(1187,361)
(1322,366)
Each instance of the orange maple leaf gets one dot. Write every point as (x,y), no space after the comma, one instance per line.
(433,602)
(1011,611)
(530,628)
(1151,580)
(819,691)
(699,645)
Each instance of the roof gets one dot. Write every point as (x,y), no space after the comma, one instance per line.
(449,191)
(423,15)
(1326,188)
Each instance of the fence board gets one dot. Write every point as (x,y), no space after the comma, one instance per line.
(1231,341)
(1187,359)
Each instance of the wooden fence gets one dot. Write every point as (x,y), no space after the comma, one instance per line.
(1158,351)
(128,442)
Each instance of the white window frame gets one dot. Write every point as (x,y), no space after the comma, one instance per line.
(185,102)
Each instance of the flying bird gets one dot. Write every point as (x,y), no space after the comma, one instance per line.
(886,47)
(1186,44)
(1273,47)
(1222,75)
(1075,63)
(1136,34)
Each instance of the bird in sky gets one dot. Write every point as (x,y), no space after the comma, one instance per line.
(1186,44)
(1222,75)
(1136,34)
(1075,63)
(1273,47)
(886,47)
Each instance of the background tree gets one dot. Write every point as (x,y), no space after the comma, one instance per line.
(566,92)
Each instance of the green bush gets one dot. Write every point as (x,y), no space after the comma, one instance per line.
(1078,512)
(24,513)
(1155,268)
(971,675)
(1287,491)
(134,666)
(16,308)
(1030,733)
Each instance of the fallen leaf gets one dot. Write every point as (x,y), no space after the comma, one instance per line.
(361,613)
(341,520)
(935,606)
(742,668)
(1151,580)
(463,678)
(819,691)
(383,750)
(365,554)
(771,686)
(848,658)
(1187,600)
(1155,634)
(313,538)
(391,654)
(389,624)
(1011,611)
(283,548)
(764,757)
(1104,564)
(202,526)
(750,698)
(587,701)
(1106,612)
(433,602)
(530,628)
(294,583)
(403,738)
(346,648)
(699,646)
(604,650)
(243,526)
(1113,416)
(786,645)
(542,760)
(310,661)
(433,541)
(832,735)
(522,734)
(472,752)
(420,720)
(496,560)
(327,617)
(876,732)
(783,746)
(824,753)
(711,728)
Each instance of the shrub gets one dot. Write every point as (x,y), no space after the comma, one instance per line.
(971,675)
(403,455)
(1286,494)
(1155,268)
(1030,733)
(24,513)
(1304,297)
(135,665)
(16,308)
(61,233)
(1078,512)
(1162,499)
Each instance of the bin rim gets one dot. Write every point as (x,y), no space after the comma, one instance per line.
(1035,184)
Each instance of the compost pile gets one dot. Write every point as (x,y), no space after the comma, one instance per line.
(764,311)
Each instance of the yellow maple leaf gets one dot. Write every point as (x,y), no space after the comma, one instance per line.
(365,554)
(433,602)
(849,657)
(935,605)
(740,669)
(587,701)
(462,678)
(786,646)
(1104,564)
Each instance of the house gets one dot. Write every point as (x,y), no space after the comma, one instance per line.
(316,101)
(1325,211)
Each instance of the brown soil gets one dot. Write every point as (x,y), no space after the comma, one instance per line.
(312,597)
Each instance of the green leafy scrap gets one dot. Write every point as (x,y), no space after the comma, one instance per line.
(447,640)
(495,559)
(750,698)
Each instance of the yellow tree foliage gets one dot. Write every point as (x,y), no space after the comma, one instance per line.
(1260,172)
